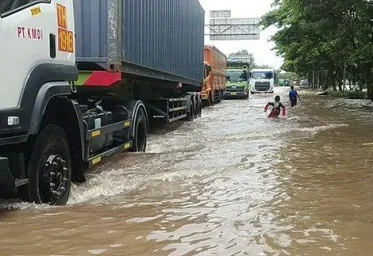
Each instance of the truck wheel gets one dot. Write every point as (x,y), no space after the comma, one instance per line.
(50,168)
(195,106)
(211,100)
(199,106)
(139,140)
(190,114)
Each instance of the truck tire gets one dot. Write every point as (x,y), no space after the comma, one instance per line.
(211,100)
(50,168)
(196,107)
(140,134)
(190,114)
(199,106)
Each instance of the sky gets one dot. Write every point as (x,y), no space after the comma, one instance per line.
(261,49)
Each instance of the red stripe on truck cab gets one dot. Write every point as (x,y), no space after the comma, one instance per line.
(103,79)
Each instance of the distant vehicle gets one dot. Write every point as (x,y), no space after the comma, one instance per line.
(262,80)
(214,82)
(237,76)
(237,84)
(285,82)
(304,83)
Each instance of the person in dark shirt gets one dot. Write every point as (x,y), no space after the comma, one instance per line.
(277,106)
(293,95)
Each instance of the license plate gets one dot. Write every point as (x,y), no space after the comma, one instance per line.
(233,93)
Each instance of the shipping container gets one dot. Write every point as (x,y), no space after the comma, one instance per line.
(161,39)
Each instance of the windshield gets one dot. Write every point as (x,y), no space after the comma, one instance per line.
(5,5)
(236,76)
(262,75)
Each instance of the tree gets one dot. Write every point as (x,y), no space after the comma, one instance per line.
(325,36)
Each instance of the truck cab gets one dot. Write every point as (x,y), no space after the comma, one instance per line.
(37,70)
(237,83)
(32,47)
(206,87)
(262,81)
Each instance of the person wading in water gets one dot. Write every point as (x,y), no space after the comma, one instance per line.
(293,95)
(276,108)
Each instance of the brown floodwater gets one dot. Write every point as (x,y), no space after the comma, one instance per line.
(229,183)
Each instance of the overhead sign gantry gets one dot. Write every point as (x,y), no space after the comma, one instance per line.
(223,27)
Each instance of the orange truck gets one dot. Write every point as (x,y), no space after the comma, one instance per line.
(214,82)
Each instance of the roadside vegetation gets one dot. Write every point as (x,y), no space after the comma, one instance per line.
(329,42)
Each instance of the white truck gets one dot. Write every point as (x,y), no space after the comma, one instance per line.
(82,80)
(262,80)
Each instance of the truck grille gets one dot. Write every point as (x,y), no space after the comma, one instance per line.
(262,86)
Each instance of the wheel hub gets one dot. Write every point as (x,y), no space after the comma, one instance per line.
(55,174)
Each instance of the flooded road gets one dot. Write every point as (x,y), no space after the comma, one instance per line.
(230,183)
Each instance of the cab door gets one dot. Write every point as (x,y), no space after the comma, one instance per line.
(24,41)
(28,37)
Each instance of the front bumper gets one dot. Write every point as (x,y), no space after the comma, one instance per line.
(13,140)
(270,90)
(229,94)
(12,171)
